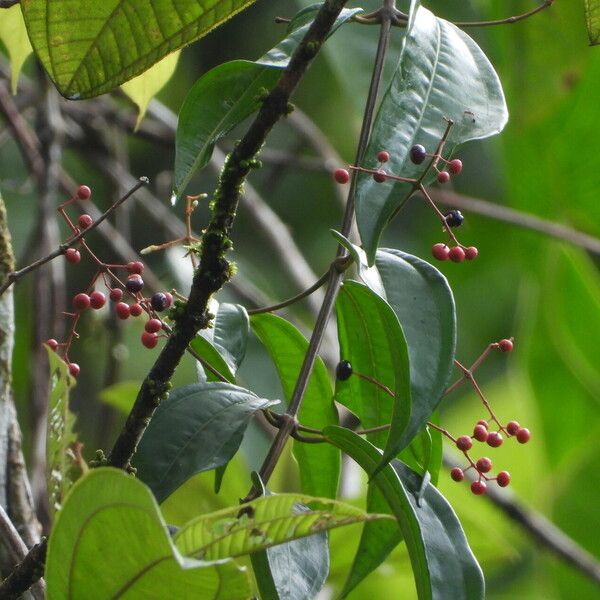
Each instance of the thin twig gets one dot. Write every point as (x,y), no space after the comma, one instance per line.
(16,275)
(335,277)
(516,217)
(507,20)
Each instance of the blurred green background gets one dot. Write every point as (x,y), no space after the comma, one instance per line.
(543,292)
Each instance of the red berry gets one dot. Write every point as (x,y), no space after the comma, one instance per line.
(134,284)
(464,443)
(440,251)
(380,176)
(81,301)
(74,369)
(512,428)
(523,435)
(455,166)
(457,474)
(443,177)
(116,294)
(85,221)
(72,255)
(480,433)
(153,326)
(97,300)
(495,439)
(471,253)
(478,488)
(122,310)
(484,465)
(84,192)
(169,299)
(505,345)
(503,478)
(456,254)
(149,339)
(383,156)
(135,267)
(341,176)
(482,422)
(136,310)
(52,344)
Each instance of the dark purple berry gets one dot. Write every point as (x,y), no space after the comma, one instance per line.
(134,283)
(159,302)
(343,370)
(418,154)
(454,218)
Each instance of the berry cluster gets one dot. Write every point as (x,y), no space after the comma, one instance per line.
(456,252)
(482,431)
(117,288)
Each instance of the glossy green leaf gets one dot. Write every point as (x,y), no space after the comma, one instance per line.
(592,19)
(423,302)
(199,428)
(224,344)
(109,541)
(262,523)
(115,40)
(144,87)
(319,463)
(371,338)
(60,436)
(262,575)
(228,94)
(442,561)
(299,568)
(13,35)
(442,74)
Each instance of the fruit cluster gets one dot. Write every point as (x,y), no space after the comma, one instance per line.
(483,431)
(457,252)
(118,289)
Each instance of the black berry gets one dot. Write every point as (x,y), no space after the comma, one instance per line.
(418,154)
(454,218)
(343,370)
(159,302)
(134,284)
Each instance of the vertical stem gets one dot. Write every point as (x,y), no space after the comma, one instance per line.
(335,275)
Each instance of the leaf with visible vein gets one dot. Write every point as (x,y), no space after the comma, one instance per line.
(443,564)
(592,19)
(198,428)
(442,74)
(263,523)
(89,48)
(111,524)
(319,464)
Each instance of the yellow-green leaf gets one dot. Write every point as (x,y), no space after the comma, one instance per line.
(144,87)
(14,36)
(89,48)
(592,19)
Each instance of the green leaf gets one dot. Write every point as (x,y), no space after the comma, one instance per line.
(199,428)
(115,40)
(443,563)
(319,463)
(13,35)
(120,395)
(109,541)
(300,568)
(442,74)
(371,338)
(224,344)
(592,19)
(263,523)
(60,436)
(263,576)
(144,87)
(423,302)
(228,94)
